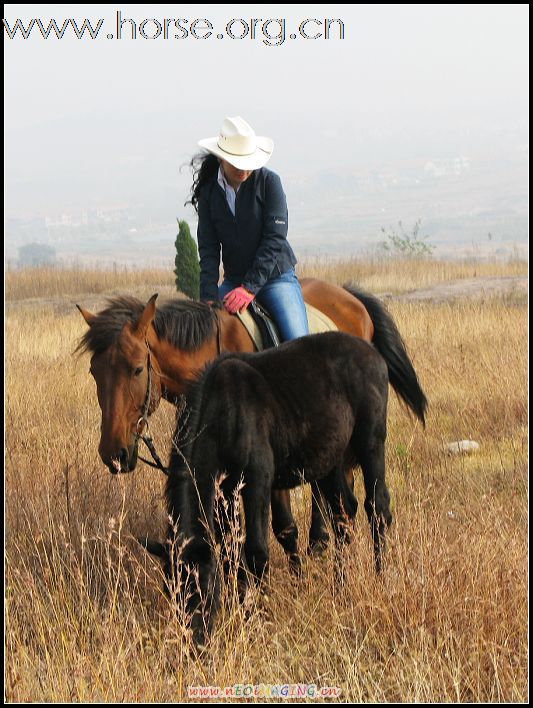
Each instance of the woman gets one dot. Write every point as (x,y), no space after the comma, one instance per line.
(242,210)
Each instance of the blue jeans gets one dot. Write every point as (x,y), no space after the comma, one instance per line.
(282,297)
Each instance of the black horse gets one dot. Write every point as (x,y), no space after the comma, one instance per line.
(301,413)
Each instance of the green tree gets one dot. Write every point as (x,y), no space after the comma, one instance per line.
(187,269)
(36,254)
(402,243)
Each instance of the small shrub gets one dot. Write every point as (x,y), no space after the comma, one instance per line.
(187,269)
(401,243)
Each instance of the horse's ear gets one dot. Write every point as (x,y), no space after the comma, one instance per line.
(148,314)
(87,316)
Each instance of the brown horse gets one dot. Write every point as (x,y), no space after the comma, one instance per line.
(141,354)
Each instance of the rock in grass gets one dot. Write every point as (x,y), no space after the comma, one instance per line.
(461,447)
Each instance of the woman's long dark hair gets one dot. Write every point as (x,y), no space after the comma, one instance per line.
(203,165)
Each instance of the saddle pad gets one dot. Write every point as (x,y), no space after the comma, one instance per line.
(318,322)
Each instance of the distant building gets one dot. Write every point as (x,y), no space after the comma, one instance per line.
(115,213)
(447,166)
(63,220)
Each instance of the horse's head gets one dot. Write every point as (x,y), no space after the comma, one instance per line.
(127,388)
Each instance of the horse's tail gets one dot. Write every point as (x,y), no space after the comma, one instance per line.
(389,343)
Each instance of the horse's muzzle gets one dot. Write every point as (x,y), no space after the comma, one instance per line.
(125,461)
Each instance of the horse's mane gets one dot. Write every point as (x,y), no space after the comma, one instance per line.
(186,324)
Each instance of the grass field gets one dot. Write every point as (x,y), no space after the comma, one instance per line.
(447,621)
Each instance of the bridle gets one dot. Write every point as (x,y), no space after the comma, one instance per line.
(147,405)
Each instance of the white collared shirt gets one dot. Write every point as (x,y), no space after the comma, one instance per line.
(231,194)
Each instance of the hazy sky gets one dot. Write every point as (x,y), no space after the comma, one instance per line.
(90,121)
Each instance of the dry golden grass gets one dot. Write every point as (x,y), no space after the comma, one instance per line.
(47,282)
(446,622)
(395,275)
(376,275)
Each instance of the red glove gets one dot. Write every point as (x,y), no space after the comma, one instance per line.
(237,300)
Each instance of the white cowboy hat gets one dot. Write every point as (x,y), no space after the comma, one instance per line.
(239,145)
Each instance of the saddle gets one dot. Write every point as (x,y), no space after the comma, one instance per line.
(264,332)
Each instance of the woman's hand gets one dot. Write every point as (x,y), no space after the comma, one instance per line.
(237,300)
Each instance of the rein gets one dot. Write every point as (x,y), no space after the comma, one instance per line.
(219,337)
(157,464)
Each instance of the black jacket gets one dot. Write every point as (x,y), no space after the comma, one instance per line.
(254,241)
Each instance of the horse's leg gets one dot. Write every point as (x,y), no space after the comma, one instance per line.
(318,534)
(284,527)
(259,475)
(342,504)
(227,525)
(348,500)
(337,492)
(193,554)
(372,459)
(341,509)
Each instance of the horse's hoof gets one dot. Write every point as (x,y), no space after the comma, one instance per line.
(198,650)
(295,566)
(317,547)
(199,642)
